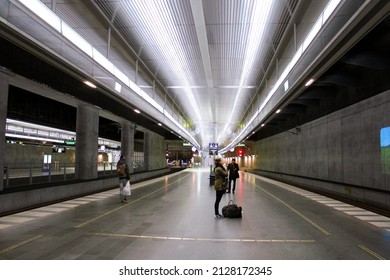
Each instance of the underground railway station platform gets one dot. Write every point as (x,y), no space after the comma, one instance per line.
(172,218)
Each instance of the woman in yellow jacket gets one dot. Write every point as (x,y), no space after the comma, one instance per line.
(219,185)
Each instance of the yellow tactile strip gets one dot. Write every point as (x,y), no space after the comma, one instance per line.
(359,213)
(202,238)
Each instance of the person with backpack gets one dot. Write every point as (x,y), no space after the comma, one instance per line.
(123,173)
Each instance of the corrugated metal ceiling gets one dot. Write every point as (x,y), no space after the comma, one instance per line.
(199,71)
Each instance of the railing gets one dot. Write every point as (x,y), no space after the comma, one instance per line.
(16,174)
(19,174)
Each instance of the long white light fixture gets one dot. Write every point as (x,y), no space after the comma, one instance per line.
(43,12)
(21,126)
(88,83)
(161,32)
(25,130)
(329,9)
(258,19)
(34,138)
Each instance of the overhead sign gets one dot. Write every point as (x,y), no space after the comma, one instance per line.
(213,149)
(213,146)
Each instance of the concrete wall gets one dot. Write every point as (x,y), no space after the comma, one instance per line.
(339,153)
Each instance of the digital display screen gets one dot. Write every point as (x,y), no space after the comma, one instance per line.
(385,149)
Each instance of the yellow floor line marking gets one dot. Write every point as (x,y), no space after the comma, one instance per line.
(127,204)
(10,248)
(174,238)
(189,239)
(372,253)
(201,238)
(296,212)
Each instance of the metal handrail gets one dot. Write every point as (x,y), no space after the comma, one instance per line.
(28,173)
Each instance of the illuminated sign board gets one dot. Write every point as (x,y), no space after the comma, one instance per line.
(213,146)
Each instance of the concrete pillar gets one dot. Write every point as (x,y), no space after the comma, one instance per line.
(4,88)
(87,133)
(127,143)
(147,150)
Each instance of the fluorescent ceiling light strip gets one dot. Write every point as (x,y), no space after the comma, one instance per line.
(181,127)
(88,83)
(171,118)
(46,14)
(313,32)
(30,130)
(329,9)
(233,143)
(150,100)
(36,126)
(121,76)
(43,133)
(134,87)
(33,138)
(103,61)
(193,103)
(108,142)
(259,16)
(164,34)
(46,131)
(200,27)
(162,20)
(76,39)
(14,128)
(40,9)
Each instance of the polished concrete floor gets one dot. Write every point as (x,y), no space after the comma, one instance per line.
(172,218)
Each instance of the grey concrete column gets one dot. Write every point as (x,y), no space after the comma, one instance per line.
(147,149)
(87,133)
(127,143)
(4,87)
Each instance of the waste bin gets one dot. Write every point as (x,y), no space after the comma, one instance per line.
(212,179)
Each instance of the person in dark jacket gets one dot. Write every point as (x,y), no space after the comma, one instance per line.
(123,178)
(219,185)
(233,174)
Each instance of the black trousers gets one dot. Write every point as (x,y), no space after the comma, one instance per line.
(230,184)
(218,197)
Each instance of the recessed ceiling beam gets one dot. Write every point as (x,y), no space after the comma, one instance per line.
(200,26)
